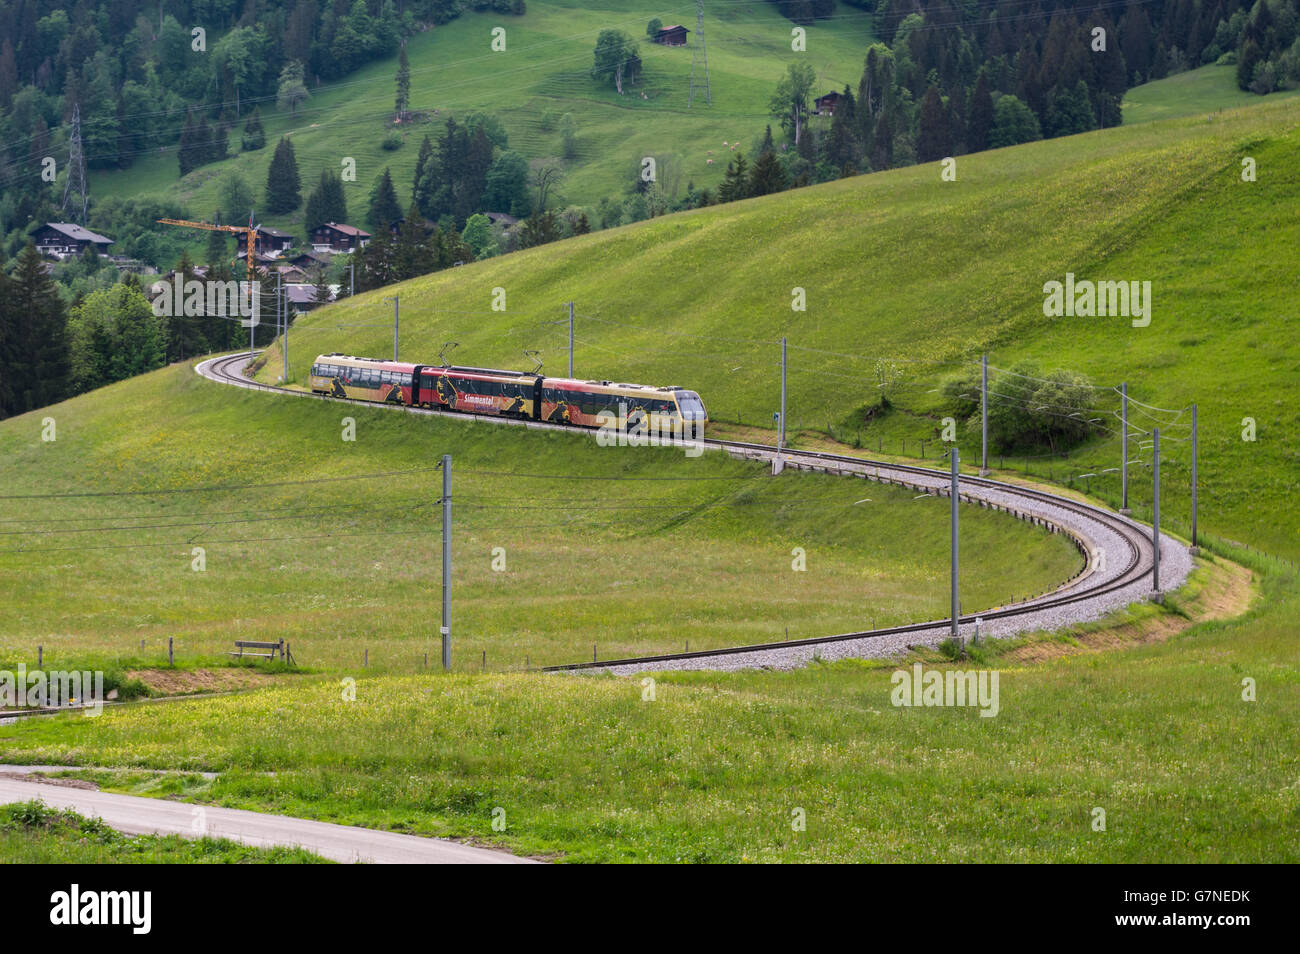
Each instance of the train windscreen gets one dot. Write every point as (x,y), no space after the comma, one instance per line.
(691,406)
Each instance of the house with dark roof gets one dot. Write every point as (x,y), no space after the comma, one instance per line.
(309,260)
(302,296)
(272,242)
(825,105)
(337,237)
(671,36)
(258,257)
(67,240)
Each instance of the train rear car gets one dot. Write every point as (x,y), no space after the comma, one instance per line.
(363,379)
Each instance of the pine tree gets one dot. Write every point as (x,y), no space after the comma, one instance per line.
(403,84)
(768,175)
(254,137)
(980,120)
(735,181)
(374,267)
(384,210)
(843,149)
(283,187)
(422,184)
(182,332)
(320,285)
(218,245)
(39,348)
(933,139)
(327,202)
(8,331)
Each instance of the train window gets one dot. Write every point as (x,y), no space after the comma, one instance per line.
(691,405)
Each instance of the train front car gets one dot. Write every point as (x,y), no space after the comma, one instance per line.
(480,391)
(362,379)
(668,412)
(693,413)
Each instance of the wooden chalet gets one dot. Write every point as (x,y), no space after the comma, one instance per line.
(68,240)
(671,36)
(825,105)
(337,237)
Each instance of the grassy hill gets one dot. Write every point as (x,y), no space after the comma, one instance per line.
(1192,93)
(543,71)
(714,766)
(632,559)
(925,275)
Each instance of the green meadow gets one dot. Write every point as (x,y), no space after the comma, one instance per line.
(559,545)
(1183,739)
(543,73)
(1195,92)
(907,279)
(709,767)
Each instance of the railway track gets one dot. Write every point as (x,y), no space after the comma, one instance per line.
(1118,552)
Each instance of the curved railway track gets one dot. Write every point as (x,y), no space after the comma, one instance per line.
(1118,552)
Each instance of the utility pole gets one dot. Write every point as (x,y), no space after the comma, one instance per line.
(699,57)
(984,415)
(286,336)
(279,329)
(954,494)
(1194,547)
(780,430)
(74,188)
(570,340)
(252,326)
(352,279)
(445,629)
(1155,525)
(1123,443)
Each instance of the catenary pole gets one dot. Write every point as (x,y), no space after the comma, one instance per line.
(780,431)
(1123,444)
(445,630)
(955,495)
(984,415)
(570,340)
(1155,524)
(281,325)
(1194,476)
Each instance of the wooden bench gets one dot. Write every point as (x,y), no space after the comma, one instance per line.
(279,648)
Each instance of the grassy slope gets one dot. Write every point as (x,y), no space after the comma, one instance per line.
(545,68)
(711,770)
(1159,736)
(1193,93)
(33,834)
(902,266)
(636,566)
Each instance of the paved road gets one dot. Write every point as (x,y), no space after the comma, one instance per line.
(139,816)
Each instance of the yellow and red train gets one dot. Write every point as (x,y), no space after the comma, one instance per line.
(518,394)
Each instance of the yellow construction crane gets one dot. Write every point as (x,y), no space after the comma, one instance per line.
(250,232)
